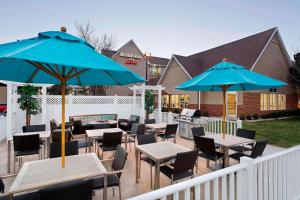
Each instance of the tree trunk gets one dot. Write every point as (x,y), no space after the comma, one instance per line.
(27,118)
(147,114)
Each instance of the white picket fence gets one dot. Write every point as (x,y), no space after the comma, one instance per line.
(275,176)
(210,124)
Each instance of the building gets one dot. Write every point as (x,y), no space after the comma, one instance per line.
(263,53)
(133,58)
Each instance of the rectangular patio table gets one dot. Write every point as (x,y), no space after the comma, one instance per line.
(44,136)
(158,152)
(98,133)
(229,141)
(44,173)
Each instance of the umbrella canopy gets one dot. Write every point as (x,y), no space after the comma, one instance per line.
(227,76)
(42,59)
(235,77)
(59,58)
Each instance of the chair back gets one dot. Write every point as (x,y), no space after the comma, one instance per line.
(56,135)
(77,127)
(53,124)
(146,139)
(2,186)
(199,131)
(259,148)
(26,142)
(206,145)
(119,160)
(134,119)
(185,161)
(101,126)
(76,190)
(171,129)
(112,139)
(150,121)
(71,148)
(34,128)
(245,133)
(138,129)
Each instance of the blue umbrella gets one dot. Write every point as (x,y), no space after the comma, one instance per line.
(55,57)
(227,76)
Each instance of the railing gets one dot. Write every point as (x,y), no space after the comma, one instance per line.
(275,176)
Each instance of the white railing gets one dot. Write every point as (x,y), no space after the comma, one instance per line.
(275,176)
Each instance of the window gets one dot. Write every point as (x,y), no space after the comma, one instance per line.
(155,70)
(166,101)
(178,101)
(272,101)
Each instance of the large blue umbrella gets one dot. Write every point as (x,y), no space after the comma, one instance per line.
(227,76)
(60,58)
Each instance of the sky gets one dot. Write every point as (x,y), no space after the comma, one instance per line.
(162,27)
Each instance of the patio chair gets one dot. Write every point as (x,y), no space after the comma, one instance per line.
(117,167)
(71,148)
(54,125)
(169,132)
(76,190)
(125,124)
(208,150)
(77,127)
(26,145)
(101,126)
(34,128)
(183,166)
(257,151)
(110,142)
(2,186)
(146,139)
(136,129)
(199,131)
(249,134)
(56,135)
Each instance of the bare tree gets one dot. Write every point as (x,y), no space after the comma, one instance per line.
(86,32)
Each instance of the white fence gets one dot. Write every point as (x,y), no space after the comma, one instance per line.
(75,105)
(275,176)
(210,124)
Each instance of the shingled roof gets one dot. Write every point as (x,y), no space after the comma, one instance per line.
(243,52)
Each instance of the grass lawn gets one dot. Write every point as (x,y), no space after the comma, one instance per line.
(282,133)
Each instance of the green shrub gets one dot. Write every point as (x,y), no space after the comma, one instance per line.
(255,116)
(242,117)
(248,117)
(205,114)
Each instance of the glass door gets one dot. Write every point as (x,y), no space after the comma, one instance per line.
(231,104)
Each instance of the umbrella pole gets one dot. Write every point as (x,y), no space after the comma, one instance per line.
(224,112)
(63,100)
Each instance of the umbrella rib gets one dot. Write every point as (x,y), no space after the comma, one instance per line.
(70,71)
(33,75)
(52,69)
(77,73)
(57,69)
(109,74)
(43,68)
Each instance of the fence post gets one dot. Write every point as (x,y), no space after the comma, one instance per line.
(44,105)
(239,123)
(249,191)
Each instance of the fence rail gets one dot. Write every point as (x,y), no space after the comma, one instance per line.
(274,176)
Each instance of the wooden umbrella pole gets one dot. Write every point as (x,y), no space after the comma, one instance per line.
(224,111)
(63,100)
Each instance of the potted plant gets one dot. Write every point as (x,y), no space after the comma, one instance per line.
(149,103)
(28,102)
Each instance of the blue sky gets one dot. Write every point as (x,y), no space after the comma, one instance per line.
(160,27)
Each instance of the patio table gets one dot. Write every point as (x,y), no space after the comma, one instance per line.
(229,141)
(158,152)
(44,173)
(44,136)
(95,134)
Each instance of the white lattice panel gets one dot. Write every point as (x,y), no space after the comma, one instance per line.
(93,100)
(125,100)
(55,100)
(138,102)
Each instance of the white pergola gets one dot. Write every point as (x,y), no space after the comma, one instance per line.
(141,89)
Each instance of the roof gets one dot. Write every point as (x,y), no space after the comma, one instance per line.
(153,59)
(244,52)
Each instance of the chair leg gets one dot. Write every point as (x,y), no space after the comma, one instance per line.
(14,164)
(113,189)
(120,194)
(207,163)
(197,165)
(216,164)
(151,176)
(140,166)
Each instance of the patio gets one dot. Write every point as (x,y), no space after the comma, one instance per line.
(129,187)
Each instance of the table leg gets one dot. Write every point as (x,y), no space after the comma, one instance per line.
(226,157)
(8,156)
(105,188)
(126,140)
(45,146)
(137,166)
(90,141)
(157,175)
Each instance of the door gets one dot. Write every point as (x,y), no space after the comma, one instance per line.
(231,104)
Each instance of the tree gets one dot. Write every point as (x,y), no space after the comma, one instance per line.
(86,32)
(295,72)
(149,103)
(28,102)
